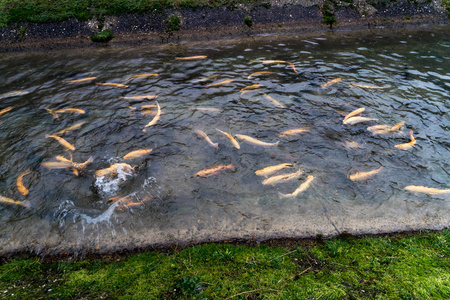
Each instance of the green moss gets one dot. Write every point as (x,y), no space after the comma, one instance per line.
(173,23)
(414,267)
(103,36)
(248,21)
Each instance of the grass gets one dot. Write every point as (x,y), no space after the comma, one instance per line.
(414,267)
(41,11)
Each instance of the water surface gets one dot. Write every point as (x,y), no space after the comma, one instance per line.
(71,213)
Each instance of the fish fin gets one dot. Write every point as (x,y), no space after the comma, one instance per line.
(277,143)
(75,171)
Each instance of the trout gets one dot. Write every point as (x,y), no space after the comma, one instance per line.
(277,62)
(426,190)
(20,187)
(272,169)
(14,93)
(71,128)
(55,113)
(191,57)
(114,169)
(61,141)
(365,86)
(303,187)
(5,110)
(156,118)
(274,101)
(11,201)
(409,145)
(258,73)
(137,153)
(214,170)
(144,97)
(219,83)
(282,178)
(203,135)
(254,141)
(80,80)
(333,81)
(141,76)
(294,131)
(232,139)
(354,113)
(355,120)
(112,84)
(364,175)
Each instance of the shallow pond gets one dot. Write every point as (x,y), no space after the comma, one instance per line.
(162,200)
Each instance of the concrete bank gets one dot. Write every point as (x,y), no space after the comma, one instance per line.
(187,24)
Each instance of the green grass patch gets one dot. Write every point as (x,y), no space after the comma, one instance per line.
(102,37)
(416,267)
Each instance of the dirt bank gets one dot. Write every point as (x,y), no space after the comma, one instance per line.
(274,17)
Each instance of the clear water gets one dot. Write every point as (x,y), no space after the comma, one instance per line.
(70,213)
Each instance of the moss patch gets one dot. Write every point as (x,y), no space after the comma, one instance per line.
(102,37)
(416,267)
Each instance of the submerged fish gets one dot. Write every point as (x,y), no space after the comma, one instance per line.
(333,81)
(71,128)
(251,87)
(294,131)
(254,141)
(364,175)
(76,167)
(272,169)
(354,113)
(191,57)
(365,86)
(282,178)
(208,109)
(57,164)
(426,190)
(112,84)
(258,73)
(409,145)
(144,97)
(80,80)
(355,120)
(140,76)
(232,139)
(214,170)
(20,187)
(156,118)
(351,145)
(14,93)
(55,113)
(5,110)
(114,170)
(274,101)
(277,62)
(219,83)
(61,141)
(205,78)
(203,135)
(303,187)
(137,153)
(385,129)
(11,201)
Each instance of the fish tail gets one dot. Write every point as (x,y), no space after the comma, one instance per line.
(75,171)
(277,143)
(52,113)
(281,195)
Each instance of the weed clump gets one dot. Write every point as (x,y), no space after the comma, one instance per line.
(103,36)
(328,16)
(248,21)
(173,23)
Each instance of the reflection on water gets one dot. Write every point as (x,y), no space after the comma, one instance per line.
(161,200)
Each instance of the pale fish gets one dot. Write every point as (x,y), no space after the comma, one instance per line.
(254,141)
(333,81)
(205,78)
(219,83)
(14,93)
(20,187)
(150,112)
(385,129)
(354,113)
(207,109)
(141,76)
(61,141)
(277,62)
(137,153)
(232,139)
(251,87)
(71,128)
(76,167)
(426,190)
(5,110)
(409,145)
(156,118)
(274,101)
(80,80)
(303,187)
(294,131)
(191,57)
(351,145)
(57,164)
(112,84)
(206,137)
(365,86)
(282,178)
(355,120)
(214,170)
(364,175)
(143,97)
(55,113)
(259,73)
(11,201)
(114,169)
(272,169)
